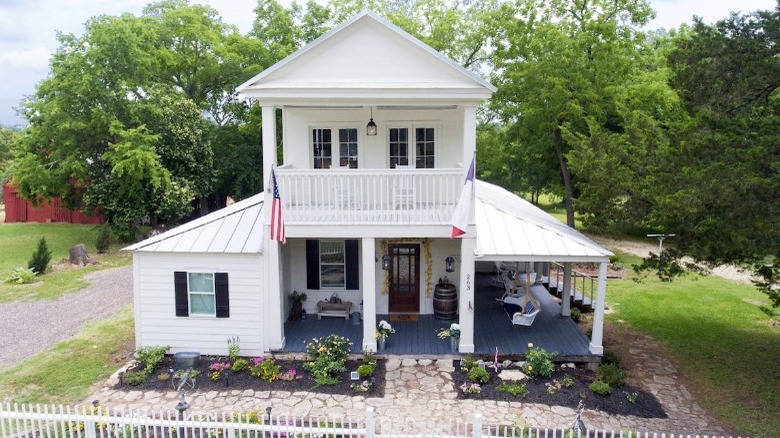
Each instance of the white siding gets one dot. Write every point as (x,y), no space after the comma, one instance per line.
(156,320)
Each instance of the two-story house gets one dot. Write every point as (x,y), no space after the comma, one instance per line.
(378,134)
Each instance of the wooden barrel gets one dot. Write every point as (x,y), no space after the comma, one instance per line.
(445,302)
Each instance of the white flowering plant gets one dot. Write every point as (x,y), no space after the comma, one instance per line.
(384,330)
(453,331)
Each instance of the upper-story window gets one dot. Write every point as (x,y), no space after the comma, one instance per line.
(424,147)
(399,147)
(322,147)
(424,142)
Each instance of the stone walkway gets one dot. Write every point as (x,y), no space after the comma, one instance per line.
(422,390)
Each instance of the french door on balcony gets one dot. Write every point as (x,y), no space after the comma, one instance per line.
(404,294)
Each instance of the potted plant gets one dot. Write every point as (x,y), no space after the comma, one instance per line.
(296,299)
(453,333)
(382,333)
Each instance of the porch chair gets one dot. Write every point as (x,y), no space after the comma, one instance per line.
(498,280)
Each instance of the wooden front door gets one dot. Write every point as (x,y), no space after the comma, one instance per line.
(404,278)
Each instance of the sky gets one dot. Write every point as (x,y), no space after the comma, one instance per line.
(28,30)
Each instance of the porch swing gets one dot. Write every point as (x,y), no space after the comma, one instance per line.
(522,310)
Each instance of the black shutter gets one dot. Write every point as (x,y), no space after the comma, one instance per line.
(180,288)
(312,264)
(352,259)
(221,294)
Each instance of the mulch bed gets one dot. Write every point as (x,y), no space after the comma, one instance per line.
(616,403)
(244,380)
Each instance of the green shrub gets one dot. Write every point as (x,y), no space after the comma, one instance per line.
(477,374)
(233,348)
(369,357)
(22,275)
(539,363)
(329,356)
(135,377)
(103,239)
(40,258)
(265,368)
(365,371)
(240,365)
(611,375)
(468,363)
(610,357)
(600,388)
(151,357)
(513,388)
(576,314)
(567,381)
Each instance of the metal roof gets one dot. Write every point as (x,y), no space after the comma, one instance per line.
(236,229)
(510,228)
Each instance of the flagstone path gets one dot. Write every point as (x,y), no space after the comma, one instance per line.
(423,391)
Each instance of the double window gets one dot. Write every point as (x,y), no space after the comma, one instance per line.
(202,294)
(424,147)
(322,147)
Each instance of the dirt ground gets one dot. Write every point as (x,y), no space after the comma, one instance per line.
(643,249)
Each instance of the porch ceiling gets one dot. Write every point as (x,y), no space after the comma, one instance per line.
(510,228)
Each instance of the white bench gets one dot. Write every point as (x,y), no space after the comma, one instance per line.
(333,309)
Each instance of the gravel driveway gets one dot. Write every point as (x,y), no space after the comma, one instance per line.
(29,327)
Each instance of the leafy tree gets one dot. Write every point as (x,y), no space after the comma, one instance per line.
(560,66)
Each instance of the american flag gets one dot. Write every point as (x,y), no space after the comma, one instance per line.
(460,219)
(277,217)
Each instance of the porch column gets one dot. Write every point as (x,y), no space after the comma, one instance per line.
(596,339)
(538,268)
(469,138)
(565,291)
(466,302)
(368,267)
(274,325)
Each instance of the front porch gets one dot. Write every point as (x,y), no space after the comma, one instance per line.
(550,330)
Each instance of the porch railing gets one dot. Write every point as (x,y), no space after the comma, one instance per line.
(27,421)
(369,196)
(583,286)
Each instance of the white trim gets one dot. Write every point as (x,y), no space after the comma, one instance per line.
(364,15)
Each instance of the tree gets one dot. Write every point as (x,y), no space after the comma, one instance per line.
(39,262)
(559,67)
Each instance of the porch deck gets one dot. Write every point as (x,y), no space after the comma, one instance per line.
(493,329)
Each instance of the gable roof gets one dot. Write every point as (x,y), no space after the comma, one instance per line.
(370,54)
(236,229)
(509,228)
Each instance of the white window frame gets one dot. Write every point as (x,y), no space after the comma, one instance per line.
(213,293)
(412,141)
(343,264)
(335,144)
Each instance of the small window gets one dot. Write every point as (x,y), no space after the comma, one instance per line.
(202,294)
(425,147)
(399,147)
(332,266)
(348,148)
(321,146)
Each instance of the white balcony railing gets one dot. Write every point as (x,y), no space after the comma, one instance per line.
(369,196)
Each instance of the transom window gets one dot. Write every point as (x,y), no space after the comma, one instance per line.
(332,265)
(322,147)
(201,291)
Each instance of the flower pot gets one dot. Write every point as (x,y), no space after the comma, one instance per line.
(380,344)
(454,344)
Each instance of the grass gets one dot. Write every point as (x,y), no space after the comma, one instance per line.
(67,372)
(727,347)
(19,241)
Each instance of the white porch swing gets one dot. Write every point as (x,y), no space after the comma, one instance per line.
(521,309)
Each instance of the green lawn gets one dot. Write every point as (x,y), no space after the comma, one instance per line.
(19,241)
(67,372)
(726,346)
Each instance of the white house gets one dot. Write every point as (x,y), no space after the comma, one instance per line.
(378,134)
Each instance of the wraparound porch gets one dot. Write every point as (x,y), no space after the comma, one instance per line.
(550,330)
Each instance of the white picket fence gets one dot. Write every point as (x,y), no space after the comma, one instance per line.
(96,422)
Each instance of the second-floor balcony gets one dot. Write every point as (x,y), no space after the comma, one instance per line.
(369,196)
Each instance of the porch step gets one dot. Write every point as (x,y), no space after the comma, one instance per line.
(575,296)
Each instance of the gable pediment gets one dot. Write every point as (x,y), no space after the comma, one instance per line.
(363,56)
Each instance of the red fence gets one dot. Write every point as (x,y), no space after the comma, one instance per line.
(18,209)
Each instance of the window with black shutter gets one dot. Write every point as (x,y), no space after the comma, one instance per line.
(201,293)
(332,264)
